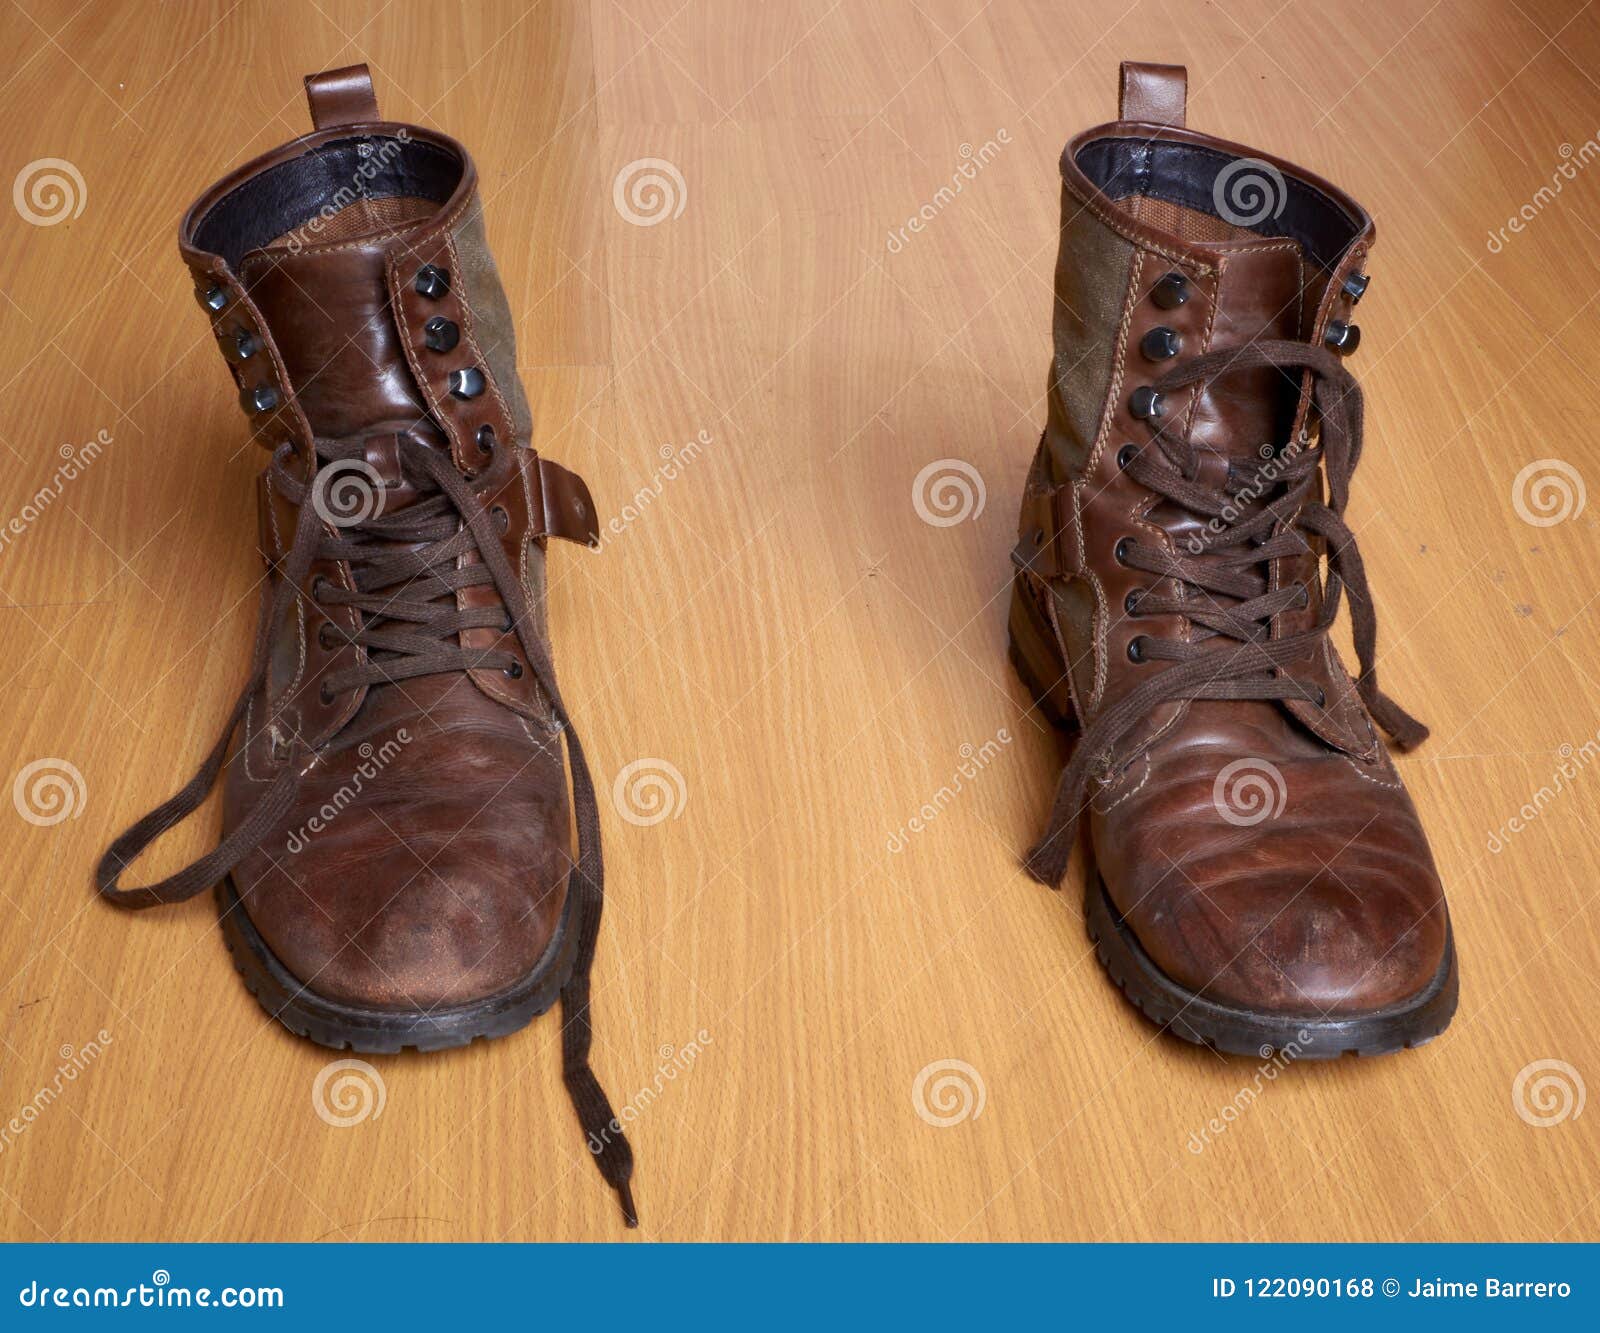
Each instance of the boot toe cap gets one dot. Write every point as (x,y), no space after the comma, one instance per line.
(441,884)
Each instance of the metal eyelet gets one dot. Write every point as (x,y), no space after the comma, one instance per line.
(467,383)
(1130,602)
(1126,455)
(1342,337)
(325,694)
(318,584)
(486,439)
(1136,648)
(440,334)
(432,282)
(329,639)
(1147,404)
(1119,552)
(514,671)
(1171,291)
(1161,344)
(502,520)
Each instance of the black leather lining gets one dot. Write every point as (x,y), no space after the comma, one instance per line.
(283,197)
(1186,174)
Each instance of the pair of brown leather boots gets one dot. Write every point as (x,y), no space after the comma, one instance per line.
(398,867)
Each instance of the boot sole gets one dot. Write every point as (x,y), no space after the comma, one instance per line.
(385,1031)
(1166,1002)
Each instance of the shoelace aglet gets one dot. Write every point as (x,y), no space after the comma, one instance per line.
(625,1195)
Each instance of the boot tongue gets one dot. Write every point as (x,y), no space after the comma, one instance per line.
(1260,294)
(327,308)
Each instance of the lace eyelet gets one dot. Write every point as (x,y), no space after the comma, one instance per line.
(1136,648)
(1126,455)
(486,439)
(506,627)
(502,520)
(325,693)
(317,585)
(1119,552)
(1305,596)
(1322,697)
(514,671)
(1130,603)
(329,638)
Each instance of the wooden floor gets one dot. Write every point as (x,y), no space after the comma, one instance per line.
(802,662)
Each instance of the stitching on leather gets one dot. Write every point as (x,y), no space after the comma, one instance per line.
(1367,777)
(1106,788)
(272,518)
(1139,238)
(299,423)
(398,301)
(1102,615)
(1079,711)
(525,460)
(470,336)
(249,731)
(1102,632)
(1119,355)
(1337,732)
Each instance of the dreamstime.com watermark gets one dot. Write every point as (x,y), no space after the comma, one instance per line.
(974,759)
(1547,1093)
(1573,161)
(74,1063)
(947,1093)
(973,161)
(49,190)
(373,762)
(1574,759)
(1548,491)
(375,156)
(156,1294)
(75,461)
(1249,791)
(676,1061)
(674,460)
(948,491)
(348,1092)
(49,791)
(1275,462)
(648,191)
(1273,1063)
(650,791)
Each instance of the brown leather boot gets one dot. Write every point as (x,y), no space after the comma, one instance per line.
(396,866)
(1260,876)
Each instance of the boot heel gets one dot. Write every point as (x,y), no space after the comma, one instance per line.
(1037,659)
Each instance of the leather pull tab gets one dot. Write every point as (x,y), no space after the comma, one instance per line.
(566,507)
(1156,94)
(342,97)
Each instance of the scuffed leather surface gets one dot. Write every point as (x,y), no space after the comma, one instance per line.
(328,312)
(1331,905)
(437,880)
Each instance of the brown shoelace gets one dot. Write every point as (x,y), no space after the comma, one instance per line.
(1230,574)
(406,634)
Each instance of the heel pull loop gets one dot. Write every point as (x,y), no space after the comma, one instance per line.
(342,97)
(1155,94)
